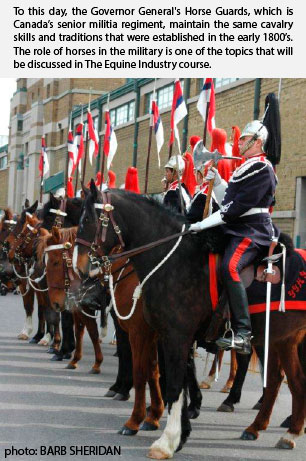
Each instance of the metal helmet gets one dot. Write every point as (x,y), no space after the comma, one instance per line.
(255,127)
(173,161)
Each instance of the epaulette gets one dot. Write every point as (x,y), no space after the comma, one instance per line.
(241,173)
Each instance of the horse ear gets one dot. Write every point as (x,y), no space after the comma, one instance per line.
(8,214)
(26,203)
(33,208)
(93,189)
(85,190)
(56,234)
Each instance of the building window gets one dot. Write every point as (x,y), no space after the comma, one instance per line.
(3,162)
(61,137)
(219,82)
(164,97)
(48,90)
(19,125)
(123,114)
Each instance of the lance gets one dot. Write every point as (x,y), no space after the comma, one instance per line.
(150,143)
(87,143)
(103,153)
(42,178)
(78,166)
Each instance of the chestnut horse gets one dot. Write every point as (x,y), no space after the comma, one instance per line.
(178,306)
(58,266)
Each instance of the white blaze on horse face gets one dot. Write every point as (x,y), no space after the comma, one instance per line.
(170,439)
(75,259)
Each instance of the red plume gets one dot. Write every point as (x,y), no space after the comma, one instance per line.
(218,140)
(225,167)
(111,179)
(98,179)
(70,191)
(188,177)
(131,180)
(235,138)
(193,140)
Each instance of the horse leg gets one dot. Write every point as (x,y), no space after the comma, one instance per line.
(140,347)
(157,404)
(28,304)
(235,392)
(233,370)
(79,329)
(274,380)
(207,382)
(93,332)
(193,387)
(297,385)
(125,371)
(178,425)
(41,324)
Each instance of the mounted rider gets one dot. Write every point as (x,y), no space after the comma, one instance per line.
(174,170)
(245,202)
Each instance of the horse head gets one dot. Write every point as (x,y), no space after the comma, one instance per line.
(58,247)
(14,235)
(95,228)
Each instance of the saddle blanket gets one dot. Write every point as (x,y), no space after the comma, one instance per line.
(295,285)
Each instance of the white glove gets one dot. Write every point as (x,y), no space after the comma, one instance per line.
(213,174)
(212,221)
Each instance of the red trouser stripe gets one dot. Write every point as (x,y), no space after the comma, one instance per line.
(213,282)
(234,261)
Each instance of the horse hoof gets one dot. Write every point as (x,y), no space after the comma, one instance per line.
(51,350)
(67,356)
(226,408)
(146,426)
(225,390)
(204,385)
(56,358)
(33,341)
(122,397)
(95,371)
(193,413)
(110,393)
(157,453)
(127,431)
(285,444)
(257,406)
(22,336)
(71,366)
(286,423)
(248,436)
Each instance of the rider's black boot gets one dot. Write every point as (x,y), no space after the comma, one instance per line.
(241,339)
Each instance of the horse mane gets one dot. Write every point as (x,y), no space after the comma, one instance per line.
(66,235)
(212,240)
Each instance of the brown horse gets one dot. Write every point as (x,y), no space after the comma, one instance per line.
(177,305)
(142,339)
(56,268)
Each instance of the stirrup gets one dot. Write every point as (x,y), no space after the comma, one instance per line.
(228,327)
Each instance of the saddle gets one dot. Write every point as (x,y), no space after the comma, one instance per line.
(257,271)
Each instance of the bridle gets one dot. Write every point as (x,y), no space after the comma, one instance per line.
(106,216)
(67,265)
(60,214)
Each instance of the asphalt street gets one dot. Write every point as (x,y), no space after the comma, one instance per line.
(44,405)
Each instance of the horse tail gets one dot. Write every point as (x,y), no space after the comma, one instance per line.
(302,354)
(286,240)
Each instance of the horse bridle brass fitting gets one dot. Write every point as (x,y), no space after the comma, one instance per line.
(67,264)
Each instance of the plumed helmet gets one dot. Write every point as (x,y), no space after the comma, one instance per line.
(131,180)
(193,140)
(172,163)
(111,179)
(255,127)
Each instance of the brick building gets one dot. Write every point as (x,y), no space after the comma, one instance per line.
(43,106)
